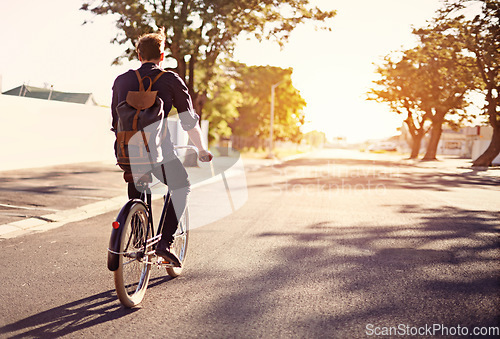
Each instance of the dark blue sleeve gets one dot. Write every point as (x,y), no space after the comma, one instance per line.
(123,83)
(114,104)
(183,103)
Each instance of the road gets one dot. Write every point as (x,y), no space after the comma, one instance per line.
(335,244)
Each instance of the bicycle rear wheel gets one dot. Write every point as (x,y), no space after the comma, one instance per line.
(179,245)
(132,275)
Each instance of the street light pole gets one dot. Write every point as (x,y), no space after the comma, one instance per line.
(273,87)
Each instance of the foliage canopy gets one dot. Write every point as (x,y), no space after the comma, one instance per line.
(200,31)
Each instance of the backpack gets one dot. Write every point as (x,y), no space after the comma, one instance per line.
(140,129)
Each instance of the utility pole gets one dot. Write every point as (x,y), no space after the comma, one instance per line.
(50,93)
(273,87)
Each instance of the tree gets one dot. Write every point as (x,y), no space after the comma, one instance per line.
(221,109)
(429,82)
(398,86)
(480,36)
(200,31)
(446,78)
(254,83)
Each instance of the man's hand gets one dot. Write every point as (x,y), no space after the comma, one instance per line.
(205,156)
(196,137)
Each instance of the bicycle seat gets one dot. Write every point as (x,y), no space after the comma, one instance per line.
(145,179)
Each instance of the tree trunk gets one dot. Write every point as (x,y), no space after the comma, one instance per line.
(437,129)
(415,146)
(492,151)
(199,100)
(181,63)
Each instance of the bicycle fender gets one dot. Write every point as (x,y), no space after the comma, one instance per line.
(116,234)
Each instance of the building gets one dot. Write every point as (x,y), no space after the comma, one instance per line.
(50,94)
(454,143)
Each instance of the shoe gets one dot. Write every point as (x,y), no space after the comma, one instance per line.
(168,256)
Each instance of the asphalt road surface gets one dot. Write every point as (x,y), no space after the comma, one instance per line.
(335,244)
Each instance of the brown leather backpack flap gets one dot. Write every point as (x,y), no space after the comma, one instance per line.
(141,100)
(126,140)
(125,136)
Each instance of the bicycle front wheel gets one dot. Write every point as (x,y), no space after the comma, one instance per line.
(132,275)
(179,245)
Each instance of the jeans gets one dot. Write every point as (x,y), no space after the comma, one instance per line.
(174,175)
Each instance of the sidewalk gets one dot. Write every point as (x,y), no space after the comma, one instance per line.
(444,163)
(39,199)
(455,165)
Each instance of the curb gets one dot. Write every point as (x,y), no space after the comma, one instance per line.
(55,220)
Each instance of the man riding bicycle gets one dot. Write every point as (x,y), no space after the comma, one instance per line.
(173,92)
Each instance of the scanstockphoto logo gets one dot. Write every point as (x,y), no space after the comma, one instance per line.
(332,179)
(223,179)
(431,330)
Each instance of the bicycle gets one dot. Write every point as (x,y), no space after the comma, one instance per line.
(131,252)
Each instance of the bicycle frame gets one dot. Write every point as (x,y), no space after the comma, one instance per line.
(116,233)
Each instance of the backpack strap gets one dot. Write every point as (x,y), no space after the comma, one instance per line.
(141,85)
(158,76)
(141,89)
(151,82)
(136,118)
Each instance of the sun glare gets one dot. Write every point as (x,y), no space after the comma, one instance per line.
(334,70)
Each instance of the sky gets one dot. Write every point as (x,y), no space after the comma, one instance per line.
(45,43)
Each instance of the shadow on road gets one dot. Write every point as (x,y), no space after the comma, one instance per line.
(339,175)
(33,192)
(73,317)
(442,270)
(39,181)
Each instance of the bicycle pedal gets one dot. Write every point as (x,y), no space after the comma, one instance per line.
(162,261)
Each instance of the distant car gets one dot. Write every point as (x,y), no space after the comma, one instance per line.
(383,146)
